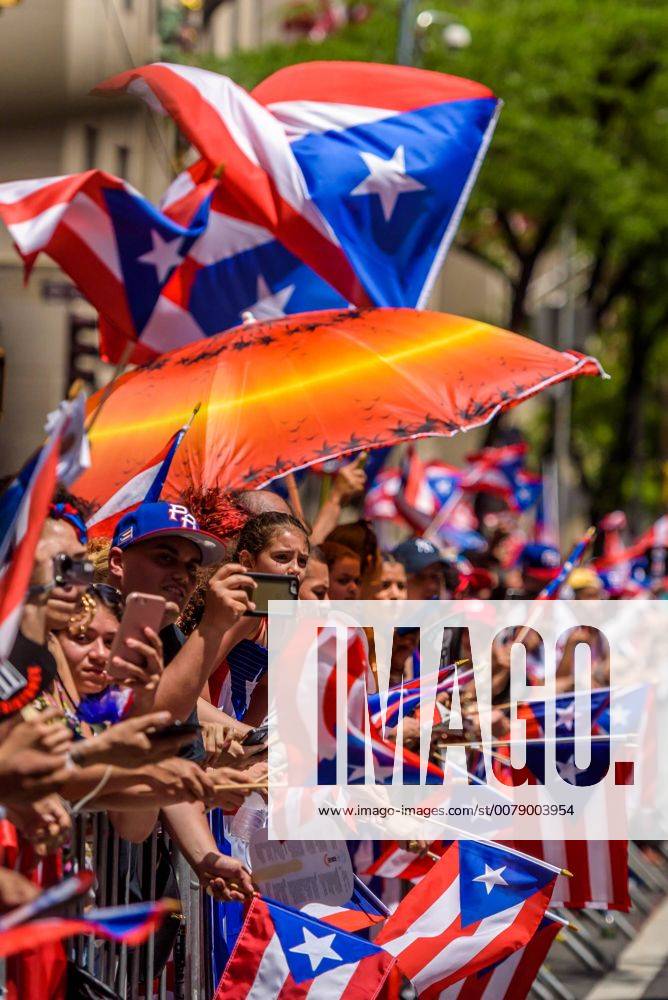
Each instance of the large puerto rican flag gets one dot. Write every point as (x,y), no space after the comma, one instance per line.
(358,171)
(331,184)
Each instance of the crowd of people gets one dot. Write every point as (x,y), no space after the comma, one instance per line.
(151,731)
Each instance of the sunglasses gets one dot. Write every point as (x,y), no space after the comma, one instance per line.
(110,597)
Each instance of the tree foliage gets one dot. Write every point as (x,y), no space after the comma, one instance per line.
(583,138)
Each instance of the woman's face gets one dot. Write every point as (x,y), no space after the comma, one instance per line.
(87,652)
(345,579)
(392,583)
(315,585)
(285,554)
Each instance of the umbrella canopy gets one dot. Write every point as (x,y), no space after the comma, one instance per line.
(282,395)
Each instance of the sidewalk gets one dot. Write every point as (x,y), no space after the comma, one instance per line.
(642,969)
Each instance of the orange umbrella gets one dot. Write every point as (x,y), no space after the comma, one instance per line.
(285,394)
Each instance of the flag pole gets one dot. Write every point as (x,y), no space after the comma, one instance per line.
(594,738)
(573,559)
(370,897)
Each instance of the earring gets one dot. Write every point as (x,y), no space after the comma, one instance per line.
(79,623)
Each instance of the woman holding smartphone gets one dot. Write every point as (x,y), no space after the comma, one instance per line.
(272,542)
(82,655)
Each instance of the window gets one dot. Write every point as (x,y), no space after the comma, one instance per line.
(122,161)
(91,135)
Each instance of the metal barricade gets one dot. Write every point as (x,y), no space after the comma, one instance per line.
(123,869)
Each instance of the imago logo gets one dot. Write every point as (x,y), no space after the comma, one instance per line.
(386,718)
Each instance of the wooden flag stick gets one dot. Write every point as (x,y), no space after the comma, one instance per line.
(594,738)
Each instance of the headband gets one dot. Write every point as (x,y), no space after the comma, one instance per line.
(69,513)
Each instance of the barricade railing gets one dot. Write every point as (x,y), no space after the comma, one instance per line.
(124,873)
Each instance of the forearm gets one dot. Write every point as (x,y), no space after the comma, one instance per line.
(134,826)
(182,682)
(206,712)
(327,520)
(187,825)
(122,785)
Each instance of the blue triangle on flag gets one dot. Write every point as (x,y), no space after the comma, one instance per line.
(492,880)
(312,947)
(266,280)
(150,247)
(385,194)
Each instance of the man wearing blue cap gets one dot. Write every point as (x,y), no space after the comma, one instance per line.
(429,575)
(159,549)
(539,564)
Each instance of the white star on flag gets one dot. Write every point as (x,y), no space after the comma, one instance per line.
(568,769)
(270,305)
(566,716)
(388,179)
(492,877)
(316,948)
(619,716)
(164,256)
(381,771)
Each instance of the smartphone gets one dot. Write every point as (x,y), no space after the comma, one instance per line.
(255,737)
(141,611)
(272,587)
(175,729)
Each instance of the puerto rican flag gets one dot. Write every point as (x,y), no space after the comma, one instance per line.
(403,699)
(397,862)
(145,487)
(500,471)
(131,924)
(360,171)
(23,509)
(600,871)
(438,483)
(305,199)
(428,489)
(478,905)
(567,709)
(513,978)
(362,910)
(282,952)
(151,278)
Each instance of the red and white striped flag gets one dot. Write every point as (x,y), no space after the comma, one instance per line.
(513,978)
(25,506)
(397,862)
(600,871)
(477,906)
(145,487)
(282,952)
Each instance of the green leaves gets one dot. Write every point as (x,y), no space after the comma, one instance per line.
(583,135)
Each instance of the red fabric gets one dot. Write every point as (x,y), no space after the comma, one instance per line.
(37,973)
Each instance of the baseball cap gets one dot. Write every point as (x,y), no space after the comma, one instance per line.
(153,520)
(541,561)
(417,553)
